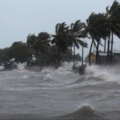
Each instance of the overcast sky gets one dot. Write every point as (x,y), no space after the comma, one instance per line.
(18,18)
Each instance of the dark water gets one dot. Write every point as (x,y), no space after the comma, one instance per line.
(60,94)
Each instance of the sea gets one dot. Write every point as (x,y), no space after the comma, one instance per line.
(60,94)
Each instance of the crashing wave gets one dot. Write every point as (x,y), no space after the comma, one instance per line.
(32,76)
(47,77)
(83,113)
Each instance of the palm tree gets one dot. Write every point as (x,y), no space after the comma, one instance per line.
(76,29)
(105,45)
(64,39)
(59,39)
(38,43)
(113,23)
(30,41)
(97,29)
(41,44)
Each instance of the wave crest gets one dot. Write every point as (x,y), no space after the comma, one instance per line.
(83,113)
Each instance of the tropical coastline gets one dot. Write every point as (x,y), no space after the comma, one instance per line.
(46,78)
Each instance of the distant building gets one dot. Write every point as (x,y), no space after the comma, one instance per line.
(103,56)
(116,55)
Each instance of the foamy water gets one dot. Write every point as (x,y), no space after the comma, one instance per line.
(60,94)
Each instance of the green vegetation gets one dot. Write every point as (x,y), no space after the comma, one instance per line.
(22,53)
(103,26)
(49,49)
(56,48)
(17,50)
(98,27)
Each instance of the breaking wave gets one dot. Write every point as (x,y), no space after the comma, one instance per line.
(47,77)
(83,113)
(60,91)
(27,77)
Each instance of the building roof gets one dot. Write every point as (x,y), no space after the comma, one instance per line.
(101,53)
(116,51)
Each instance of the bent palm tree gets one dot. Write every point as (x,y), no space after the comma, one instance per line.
(59,39)
(30,43)
(113,24)
(64,39)
(97,29)
(77,29)
(38,43)
(41,44)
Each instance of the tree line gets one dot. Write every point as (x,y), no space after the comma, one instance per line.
(21,52)
(17,50)
(98,27)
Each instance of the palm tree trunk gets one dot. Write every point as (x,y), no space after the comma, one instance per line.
(82,54)
(56,62)
(95,44)
(58,57)
(50,57)
(70,51)
(111,48)
(36,57)
(97,53)
(108,55)
(104,46)
(90,51)
(74,55)
(99,58)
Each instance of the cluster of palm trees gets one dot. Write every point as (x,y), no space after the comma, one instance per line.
(63,40)
(98,27)
(104,26)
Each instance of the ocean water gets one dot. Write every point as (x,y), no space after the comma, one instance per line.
(60,94)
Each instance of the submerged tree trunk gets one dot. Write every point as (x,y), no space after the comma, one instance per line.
(90,51)
(111,48)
